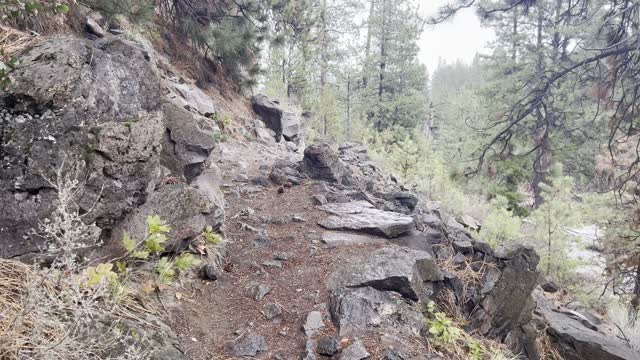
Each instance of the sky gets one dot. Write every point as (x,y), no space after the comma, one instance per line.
(458,38)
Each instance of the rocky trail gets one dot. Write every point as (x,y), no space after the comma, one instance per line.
(327,255)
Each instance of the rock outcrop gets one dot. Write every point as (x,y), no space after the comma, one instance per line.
(391,268)
(362,216)
(188,141)
(76,101)
(282,123)
(321,162)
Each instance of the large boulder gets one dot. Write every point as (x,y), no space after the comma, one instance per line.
(209,184)
(505,306)
(291,127)
(321,162)
(190,97)
(182,207)
(76,101)
(188,141)
(574,340)
(269,112)
(390,268)
(354,311)
(361,216)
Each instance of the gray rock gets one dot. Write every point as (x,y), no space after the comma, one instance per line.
(249,345)
(390,268)
(291,146)
(261,180)
(355,351)
(208,182)
(402,199)
(360,216)
(209,272)
(577,342)
(188,141)
(258,291)
(508,305)
(313,324)
(482,247)
(337,238)
(309,353)
(269,112)
(298,219)
(262,239)
(357,310)
(182,207)
(264,136)
(468,222)
(463,246)
(273,264)
(550,286)
(291,127)
(272,310)
(93,27)
(328,346)
(63,107)
(459,259)
(321,162)
(415,240)
(191,98)
(282,256)
(443,252)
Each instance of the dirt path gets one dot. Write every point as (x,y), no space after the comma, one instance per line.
(211,315)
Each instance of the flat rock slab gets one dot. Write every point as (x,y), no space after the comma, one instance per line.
(417,241)
(338,238)
(390,268)
(361,216)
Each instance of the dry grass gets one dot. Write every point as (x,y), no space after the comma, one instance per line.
(50,314)
(13,276)
(13,41)
(546,348)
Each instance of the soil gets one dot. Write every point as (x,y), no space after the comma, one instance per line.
(211,315)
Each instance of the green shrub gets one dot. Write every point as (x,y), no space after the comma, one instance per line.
(154,242)
(186,261)
(500,225)
(136,11)
(165,270)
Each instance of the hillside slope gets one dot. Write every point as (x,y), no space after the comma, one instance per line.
(326,255)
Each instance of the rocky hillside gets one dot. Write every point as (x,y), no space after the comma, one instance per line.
(327,256)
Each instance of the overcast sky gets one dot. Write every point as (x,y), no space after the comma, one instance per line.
(459,38)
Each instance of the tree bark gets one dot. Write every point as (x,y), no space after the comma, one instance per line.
(367,49)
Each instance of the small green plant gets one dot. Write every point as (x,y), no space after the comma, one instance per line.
(7,64)
(153,244)
(220,137)
(136,11)
(223,121)
(186,261)
(101,272)
(442,329)
(476,350)
(165,270)
(211,237)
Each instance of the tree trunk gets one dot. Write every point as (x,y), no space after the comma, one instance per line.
(367,49)
(348,106)
(543,160)
(514,50)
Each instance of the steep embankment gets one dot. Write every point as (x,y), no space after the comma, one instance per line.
(326,256)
